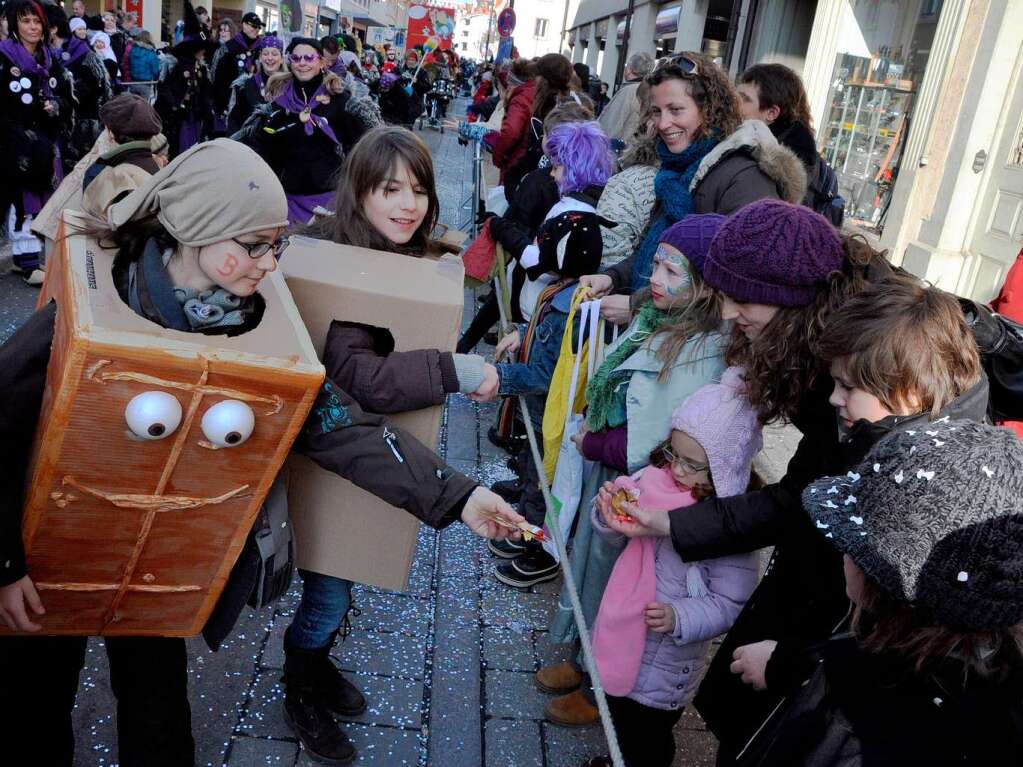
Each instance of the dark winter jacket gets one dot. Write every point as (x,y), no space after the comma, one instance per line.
(747,166)
(247,96)
(92,88)
(338,435)
(306,163)
(28,133)
(797,137)
(870,710)
(535,196)
(232,59)
(513,139)
(801,599)
(183,95)
(361,360)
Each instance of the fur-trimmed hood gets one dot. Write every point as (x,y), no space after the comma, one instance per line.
(275,85)
(779,163)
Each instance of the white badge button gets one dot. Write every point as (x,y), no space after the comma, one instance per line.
(26,98)
(15,86)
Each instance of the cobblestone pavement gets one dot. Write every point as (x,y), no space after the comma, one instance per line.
(447,667)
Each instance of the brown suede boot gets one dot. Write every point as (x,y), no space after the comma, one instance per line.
(559,679)
(572,710)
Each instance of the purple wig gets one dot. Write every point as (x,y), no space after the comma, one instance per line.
(582,149)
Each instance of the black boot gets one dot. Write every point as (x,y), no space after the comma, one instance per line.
(337,693)
(306,712)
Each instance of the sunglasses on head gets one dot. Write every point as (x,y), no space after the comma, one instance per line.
(689,67)
(308,58)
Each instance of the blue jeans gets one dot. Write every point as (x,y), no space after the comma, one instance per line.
(325,600)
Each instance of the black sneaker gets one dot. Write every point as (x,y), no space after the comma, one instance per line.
(512,444)
(509,489)
(506,548)
(531,568)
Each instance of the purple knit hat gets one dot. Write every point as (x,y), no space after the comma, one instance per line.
(692,236)
(722,420)
(772,252)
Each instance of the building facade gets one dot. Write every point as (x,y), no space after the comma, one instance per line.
(917,105)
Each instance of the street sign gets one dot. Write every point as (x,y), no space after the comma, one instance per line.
(504,49)
(506,22)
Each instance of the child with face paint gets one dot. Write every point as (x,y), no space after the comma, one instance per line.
(656,607)
(672,348)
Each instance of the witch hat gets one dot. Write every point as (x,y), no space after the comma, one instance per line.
(196,35)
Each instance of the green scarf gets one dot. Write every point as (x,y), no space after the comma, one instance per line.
(601,388)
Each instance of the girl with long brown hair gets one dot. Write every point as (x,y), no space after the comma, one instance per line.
(386,200)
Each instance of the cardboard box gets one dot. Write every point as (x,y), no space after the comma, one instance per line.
(340,529)
(133,536)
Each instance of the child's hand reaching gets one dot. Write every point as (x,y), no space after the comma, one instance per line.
(507,345)
(577,438)
(489,388)
(659,617)
(643,523)
(13,601)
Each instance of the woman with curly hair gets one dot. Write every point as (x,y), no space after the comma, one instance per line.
(709,162)
(781,271)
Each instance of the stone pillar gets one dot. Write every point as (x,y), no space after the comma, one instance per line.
(592,48)
(690,26)
(152,17)
(611,53)
(641,32)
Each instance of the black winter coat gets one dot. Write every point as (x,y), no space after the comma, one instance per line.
(535,196)
(869,710)
(307,164)
(28,133)
(247,97)
(184,95)
(229,62)
(801,599)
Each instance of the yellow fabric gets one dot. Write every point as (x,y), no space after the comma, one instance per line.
(558,395)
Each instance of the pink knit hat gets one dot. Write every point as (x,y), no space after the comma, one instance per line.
(721,419)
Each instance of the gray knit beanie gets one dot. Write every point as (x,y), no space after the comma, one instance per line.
(934,516)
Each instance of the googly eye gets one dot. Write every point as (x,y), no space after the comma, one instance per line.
(153,415)
(228,423)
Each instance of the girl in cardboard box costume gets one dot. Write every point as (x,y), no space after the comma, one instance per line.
(192,245)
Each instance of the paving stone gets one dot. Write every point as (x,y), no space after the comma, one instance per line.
(391,701)
(507,650)
(379,746)
(572,746)
(372,652)
(249,752)
(513,695)
(513,744)
(505,606)
(695,749)
(263,717)
(273,650)
(391,612)
(551,653)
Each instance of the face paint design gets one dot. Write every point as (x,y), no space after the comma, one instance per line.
(227,268)
(670,278)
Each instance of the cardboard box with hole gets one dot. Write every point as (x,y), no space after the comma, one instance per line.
(154,451)
(342,530)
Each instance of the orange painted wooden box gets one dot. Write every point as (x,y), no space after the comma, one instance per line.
(133,536)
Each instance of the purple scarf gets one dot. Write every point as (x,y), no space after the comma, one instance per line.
(291,101)
(28,64)
(76,49)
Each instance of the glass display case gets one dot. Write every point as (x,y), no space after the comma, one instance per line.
(883,52)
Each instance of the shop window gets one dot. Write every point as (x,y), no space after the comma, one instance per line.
(540,28)
(883,47)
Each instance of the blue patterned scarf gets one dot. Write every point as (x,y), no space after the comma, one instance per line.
(671,186)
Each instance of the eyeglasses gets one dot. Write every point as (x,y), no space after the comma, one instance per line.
(689,67)
(308,58)
(683,464)
(257,250)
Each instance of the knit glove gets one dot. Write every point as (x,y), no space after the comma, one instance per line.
(470,371)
